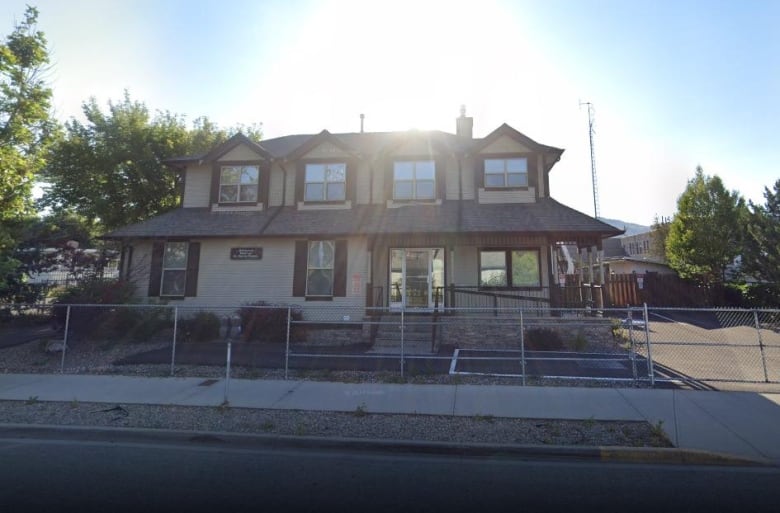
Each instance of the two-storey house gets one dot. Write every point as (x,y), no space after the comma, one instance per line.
(395,219)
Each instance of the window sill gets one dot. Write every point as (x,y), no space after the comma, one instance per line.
(237,207)
(325,205)
(319,298)
(406,203)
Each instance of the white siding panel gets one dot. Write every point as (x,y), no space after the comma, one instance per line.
(240,152)
(508,196)
(452,178)
(469,170)
(325,150)
(505,144)
(197,187)
(363,182)
(140,267)
(276,186)
(465,267)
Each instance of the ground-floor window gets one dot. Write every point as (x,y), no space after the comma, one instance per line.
(509,268)
(319,268)
(174,269)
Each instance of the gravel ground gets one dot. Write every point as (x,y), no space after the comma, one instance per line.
(97,357)
(357,424)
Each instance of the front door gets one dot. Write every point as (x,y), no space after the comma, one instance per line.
(416,275)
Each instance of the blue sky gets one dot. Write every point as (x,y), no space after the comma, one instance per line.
(675,84)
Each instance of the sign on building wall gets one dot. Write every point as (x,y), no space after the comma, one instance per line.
(246,253)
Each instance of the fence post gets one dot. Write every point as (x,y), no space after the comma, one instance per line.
(175,331)
(65,340)
(650,369)
(522,346)
(403,327)
(761,345)
(632,345)
(287,344)
(227,370)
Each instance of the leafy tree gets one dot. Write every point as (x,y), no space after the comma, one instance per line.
(761,255)
(112,169)
(705,235)
(658,235)
(25,127)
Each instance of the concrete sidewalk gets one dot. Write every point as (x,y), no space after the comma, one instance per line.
(742,424)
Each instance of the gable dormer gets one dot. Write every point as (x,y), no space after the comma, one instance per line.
(326,173)
(512,168)
(415,169)
(240,175)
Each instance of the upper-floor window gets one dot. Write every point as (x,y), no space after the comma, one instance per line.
(238,184)
(325,182)
(174,269)
(506,172)
(414,180)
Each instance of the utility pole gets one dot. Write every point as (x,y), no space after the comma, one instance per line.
(594,178)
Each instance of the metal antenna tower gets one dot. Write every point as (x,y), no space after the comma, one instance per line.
(594,178)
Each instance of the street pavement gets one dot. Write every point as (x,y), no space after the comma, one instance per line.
(740,424)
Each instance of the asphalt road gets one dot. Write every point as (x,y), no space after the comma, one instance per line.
(201,475)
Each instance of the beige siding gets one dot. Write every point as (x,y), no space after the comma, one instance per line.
(466,266)
(508,196)
(452,186)
(505,144)
(379,182)
(276,186)
(197,187)
(540,174)
(469,177)
(231,283)
(326,150)
(240,152)
(414,147)
(363,182)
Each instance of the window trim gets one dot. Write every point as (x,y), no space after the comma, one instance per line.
(532,171)
(508,267)
(325,182)
(332,270)
(413,181)
(185,268)
(505,173)
(224,165)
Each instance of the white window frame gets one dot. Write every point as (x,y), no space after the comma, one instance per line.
(239,186)
(165,269)
(505,173)
(414,180)
(310,267)
(325,182)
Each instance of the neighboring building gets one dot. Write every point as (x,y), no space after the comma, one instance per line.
(634,254)
(360,219)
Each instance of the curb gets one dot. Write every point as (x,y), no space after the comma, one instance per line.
(230,440)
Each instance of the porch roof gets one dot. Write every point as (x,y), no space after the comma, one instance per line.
(546,216)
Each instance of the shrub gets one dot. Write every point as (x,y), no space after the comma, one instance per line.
(267,322)
(542,339)
(201,327)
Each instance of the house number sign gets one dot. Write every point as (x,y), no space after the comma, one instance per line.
(246,253)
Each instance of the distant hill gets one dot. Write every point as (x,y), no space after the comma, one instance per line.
(631,228)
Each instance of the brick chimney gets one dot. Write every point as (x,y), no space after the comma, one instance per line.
(464,126)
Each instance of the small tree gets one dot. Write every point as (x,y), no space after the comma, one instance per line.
(705,235)
(658,236)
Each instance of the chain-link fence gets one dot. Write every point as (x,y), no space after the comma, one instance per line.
(631,345)
(712,345)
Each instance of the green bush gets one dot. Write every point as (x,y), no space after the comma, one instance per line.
(201,327)
(542,339)
(267,322)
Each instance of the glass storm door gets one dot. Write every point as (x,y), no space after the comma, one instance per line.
(414,276)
